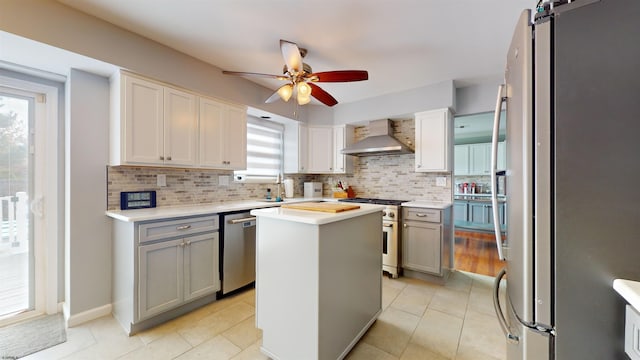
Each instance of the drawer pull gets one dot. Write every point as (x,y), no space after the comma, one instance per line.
(183,227)
(421,215)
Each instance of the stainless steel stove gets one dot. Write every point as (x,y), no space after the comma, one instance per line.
(391,234)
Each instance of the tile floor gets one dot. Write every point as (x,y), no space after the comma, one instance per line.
(419,321)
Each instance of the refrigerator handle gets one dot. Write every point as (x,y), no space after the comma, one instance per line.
(494,168)
(498,308)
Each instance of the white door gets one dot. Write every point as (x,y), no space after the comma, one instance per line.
(28,175)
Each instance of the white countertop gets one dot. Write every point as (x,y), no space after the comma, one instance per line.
(427,204)
(315,217)
(630,291)
(166,212)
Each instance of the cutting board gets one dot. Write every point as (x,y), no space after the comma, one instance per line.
(331,207)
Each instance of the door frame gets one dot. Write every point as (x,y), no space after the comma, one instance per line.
(46,194)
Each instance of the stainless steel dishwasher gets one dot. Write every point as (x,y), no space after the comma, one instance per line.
(238,251)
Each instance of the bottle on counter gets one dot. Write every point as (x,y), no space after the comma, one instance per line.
(268,194)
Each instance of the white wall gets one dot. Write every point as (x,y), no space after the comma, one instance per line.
(477,98)
(402,104)
(87,229)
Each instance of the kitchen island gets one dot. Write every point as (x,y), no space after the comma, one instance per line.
(318,280)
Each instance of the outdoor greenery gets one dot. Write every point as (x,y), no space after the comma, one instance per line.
(14,168)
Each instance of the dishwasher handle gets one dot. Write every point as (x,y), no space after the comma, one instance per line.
(242,220)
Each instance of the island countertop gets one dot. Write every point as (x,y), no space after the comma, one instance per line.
(315,217)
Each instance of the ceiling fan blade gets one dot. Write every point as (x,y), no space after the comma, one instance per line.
(340,76)
(273,98)
(322,96)
(291,55)
(242,73)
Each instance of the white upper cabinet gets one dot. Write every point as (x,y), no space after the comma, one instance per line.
(321,149)
(343,136)
(153,124)
(461,160)
(223,135)
(141,122)
(475,159)
(160,125)
(434,141)
(295,148)
(180,128)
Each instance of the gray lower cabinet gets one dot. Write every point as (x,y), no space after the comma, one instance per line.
(460,212)
(163,269)
(176,271)
(426,239)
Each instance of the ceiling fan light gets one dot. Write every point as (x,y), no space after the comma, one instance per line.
(285,92)
(304,89)
(302,100)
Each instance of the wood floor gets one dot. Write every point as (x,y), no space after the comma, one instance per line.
(476,252)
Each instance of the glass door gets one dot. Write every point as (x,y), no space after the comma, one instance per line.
(17,277)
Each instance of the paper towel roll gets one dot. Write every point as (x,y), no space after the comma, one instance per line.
(288,188)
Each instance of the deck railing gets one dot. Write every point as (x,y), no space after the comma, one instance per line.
(14,220)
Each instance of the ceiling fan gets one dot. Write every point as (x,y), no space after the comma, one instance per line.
(300,78)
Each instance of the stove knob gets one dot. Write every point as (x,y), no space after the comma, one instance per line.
(391,214)
(384,213)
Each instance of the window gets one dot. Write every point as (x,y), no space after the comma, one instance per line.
(264,151)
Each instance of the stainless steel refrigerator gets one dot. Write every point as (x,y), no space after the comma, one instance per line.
(572,94)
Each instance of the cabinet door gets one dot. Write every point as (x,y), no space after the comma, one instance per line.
(320,149)
(234,137)
(461,160)
(479,159)
(460,211)
(143,117)
(421,246)
(303,148)
(339,160)
(342,137)
(433,141)
(479,212)
(210,152)
(502,155)
(180,128)
(160,277)
(201,272)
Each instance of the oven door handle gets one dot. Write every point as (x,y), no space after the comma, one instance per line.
(387,225)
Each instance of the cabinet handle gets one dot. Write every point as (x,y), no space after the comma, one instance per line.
(161,157)
(182,244)
(188,242)
(183,227)
(169,158)
(419,165)
(421,215)
(405,225)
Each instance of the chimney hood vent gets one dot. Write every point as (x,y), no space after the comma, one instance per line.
(379,142)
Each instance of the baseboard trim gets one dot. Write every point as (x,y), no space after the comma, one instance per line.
(85,316)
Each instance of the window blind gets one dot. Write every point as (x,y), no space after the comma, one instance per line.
(264,151)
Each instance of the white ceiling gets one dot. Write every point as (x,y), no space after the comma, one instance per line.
(404,44)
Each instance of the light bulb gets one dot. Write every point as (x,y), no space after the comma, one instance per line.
(302,99)
(285,92)
(304,89)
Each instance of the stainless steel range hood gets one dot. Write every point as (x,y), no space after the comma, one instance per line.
(379,142)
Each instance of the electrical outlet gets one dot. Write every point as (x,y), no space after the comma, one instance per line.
(223,180)
(161,180)
(441,181)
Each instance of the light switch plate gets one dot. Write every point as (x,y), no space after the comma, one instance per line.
(161,180)
(223,180)
(441,181)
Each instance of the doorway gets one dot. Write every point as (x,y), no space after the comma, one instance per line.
(28,172)
(475,246)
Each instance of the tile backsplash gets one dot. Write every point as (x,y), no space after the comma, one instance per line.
(385,176)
